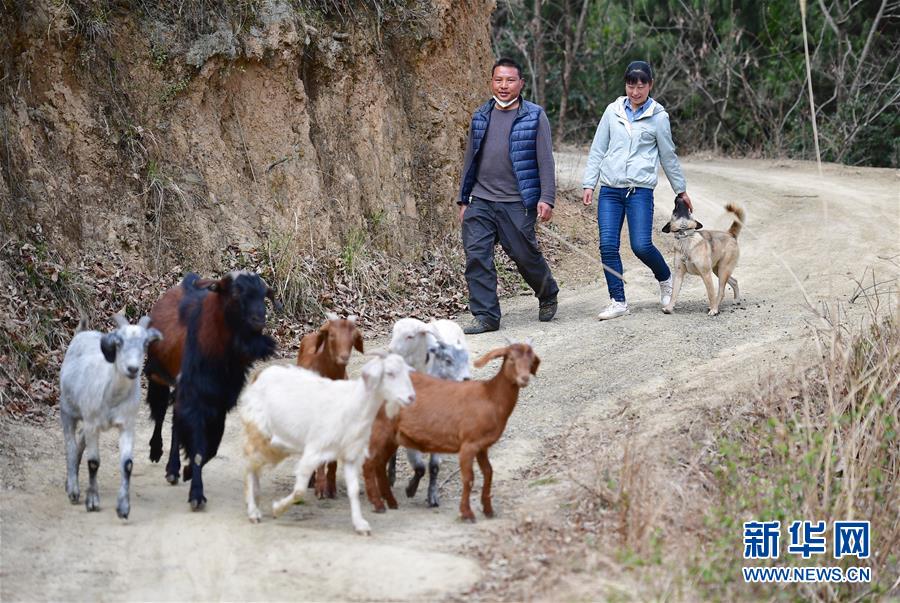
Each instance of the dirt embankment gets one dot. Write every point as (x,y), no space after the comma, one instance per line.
(600,385)
(173,132)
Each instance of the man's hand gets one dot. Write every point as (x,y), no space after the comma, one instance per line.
(687,200)
(587,196)
(462,210)
(544,211)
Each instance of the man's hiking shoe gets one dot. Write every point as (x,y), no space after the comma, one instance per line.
(547,310)
(476,326)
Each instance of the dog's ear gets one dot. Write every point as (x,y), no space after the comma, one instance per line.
(698,225)
(667,227)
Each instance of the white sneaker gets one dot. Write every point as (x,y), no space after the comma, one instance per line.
(665,291)
(614,310)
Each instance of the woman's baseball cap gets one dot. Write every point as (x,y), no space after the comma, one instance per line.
(638,68)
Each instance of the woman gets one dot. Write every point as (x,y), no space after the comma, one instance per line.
(632,139)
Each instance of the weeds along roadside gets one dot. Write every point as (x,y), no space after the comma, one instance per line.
(641,517)
(43,297)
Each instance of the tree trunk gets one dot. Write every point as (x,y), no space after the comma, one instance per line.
(570,55)
(537,51)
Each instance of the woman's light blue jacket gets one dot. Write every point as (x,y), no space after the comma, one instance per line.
(627,154)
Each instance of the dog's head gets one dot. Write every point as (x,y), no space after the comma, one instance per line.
(681,218)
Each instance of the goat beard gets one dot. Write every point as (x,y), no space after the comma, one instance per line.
(391,409)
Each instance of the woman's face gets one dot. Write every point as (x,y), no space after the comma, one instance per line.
(638,92)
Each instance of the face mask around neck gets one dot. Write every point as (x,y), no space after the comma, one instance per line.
(504,105)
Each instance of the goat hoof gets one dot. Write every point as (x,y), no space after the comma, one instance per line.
(434,503)
(713,313)
(489,513)
(468,518)
(172,478)
(667,310)
(92,502)
(74,497)
(380,510)
(155,454)
(411,490)
(255,517)
(331,493)
(122,510)
(364,529)
(198,505)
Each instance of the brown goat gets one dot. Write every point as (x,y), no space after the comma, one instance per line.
(467,417)
(327,352)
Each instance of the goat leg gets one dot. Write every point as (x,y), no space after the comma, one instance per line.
(252,492)
(158,400)
(331,481)
(74,450)
(434,465)
(466,455)
(196,460)
(351,476)
(305,466)
(126,443)
(173,467)
(92,444)
(418,464)
(488,473)
(320,485)
(370,480)
(392,469)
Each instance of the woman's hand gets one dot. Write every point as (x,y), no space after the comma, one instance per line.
(687,200)
(587,196)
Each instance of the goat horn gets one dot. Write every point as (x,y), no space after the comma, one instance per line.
(144,322)
(352,318)
(529,342)
(120,319)
(331,316)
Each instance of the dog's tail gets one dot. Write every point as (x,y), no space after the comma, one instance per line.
(739,216)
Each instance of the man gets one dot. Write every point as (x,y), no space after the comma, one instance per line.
(507,182)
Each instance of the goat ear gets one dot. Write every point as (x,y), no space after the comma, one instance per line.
(109,344)
(144,322)
(371,374)
(667,227)
(698,226)
(153,335)
(358,342)
(495,353)
(535,364)
(208,284)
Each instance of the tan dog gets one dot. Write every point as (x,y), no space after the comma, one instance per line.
(704,253)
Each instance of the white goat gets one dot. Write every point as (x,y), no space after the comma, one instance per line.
(99,386)
(440,350)
(292,411)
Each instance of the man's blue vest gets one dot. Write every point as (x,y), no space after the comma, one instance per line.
(522,150)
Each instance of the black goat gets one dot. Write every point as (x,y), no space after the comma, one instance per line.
(219,326)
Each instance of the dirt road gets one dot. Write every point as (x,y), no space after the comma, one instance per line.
(825,229)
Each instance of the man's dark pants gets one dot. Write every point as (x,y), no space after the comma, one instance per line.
(484,224)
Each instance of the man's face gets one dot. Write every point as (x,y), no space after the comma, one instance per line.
(506,83)
(638,92)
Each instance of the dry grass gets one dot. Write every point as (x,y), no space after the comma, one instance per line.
(638,518)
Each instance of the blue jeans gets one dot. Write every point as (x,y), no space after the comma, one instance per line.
(613,206)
